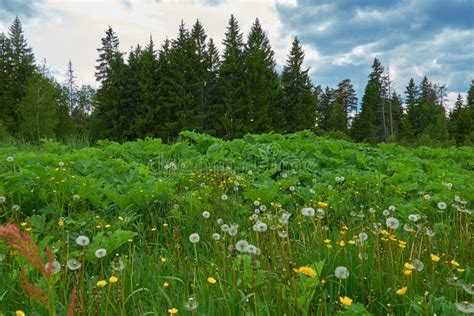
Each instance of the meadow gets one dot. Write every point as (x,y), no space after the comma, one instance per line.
(263,225)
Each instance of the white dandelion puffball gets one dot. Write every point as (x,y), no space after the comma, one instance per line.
(283,234)
(73,264)
(386,213)
(224,197)
(308,211)
(263,208)
(83,241)
(216,236)
(232,230)
(418,265)
(2,199)
(256,202)
(260,227)
(194,238)
(118,265)
(392,222)
(255,217)
(341,272)
(292,189)
(225,227)
(252,250)
(100,253)
(414,217)
(363,236)
(241,245)
(56,267)
(220,221)
(392,208)
(442,205)
(206,214)
(10,159)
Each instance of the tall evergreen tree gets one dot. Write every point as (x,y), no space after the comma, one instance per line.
(261,83)
(234,116)
(369,124)
(107,52)
(298,99)
(212,98)
(346,96)
(470,95)
(71,87)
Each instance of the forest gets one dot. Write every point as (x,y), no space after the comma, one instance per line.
(187,84)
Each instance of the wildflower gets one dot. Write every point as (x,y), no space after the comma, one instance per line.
(162,259)
(342,243)
(101,283)
(216,236)
(82,241)
(442,205)
(120,218)
(73,264)
(407,272)
(363,236)
(392,208)
(414,217)
(76,197)
(392,223)
(191,304)
(10,159)
(100,253)
(469,288)
(241,245)
(292,188)
(224,227)
(283,233)
(61,222)
(307,211)
(20,313)
(465,307)
(224,197)
(211,280)
(402,291)
(260,227)
(429,233)
(454,263)
(118,265)
(113,279)
(408,266)
(172,311)
(107,226)
(306,270)
(341,272)
(194,238)
(206,214)
(418,265)
(263,208)
(322,204)
(386,213)
(2,199)
(252,250)
(345,300)
(54,267)
(165,284)
(233,230)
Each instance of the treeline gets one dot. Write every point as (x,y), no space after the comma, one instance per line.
(187,84)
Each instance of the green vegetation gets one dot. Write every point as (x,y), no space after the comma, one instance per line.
(262,225)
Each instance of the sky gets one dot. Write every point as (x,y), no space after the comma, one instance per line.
(341,38)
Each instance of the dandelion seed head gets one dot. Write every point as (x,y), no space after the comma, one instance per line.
(225,227)
(241,245)
(442,205)
(216,236)
(224,197)
(56,267)
(392,222)
(206,214)
(308,211)
(341,272)
(100,253)
(83,240)
(73,264)
(194,238)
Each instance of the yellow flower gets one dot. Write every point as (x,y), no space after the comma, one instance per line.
(61,223)
(172,311)
(342,243)
(211,280)
(460,270)
(23,224)
(407,272)
(408,266)
(153,229)
(120,218)
(20,313)
(455,263)
(28,229)
(101,283)
(345,227)
(130,240)
(97,226)
(351,242)
(113,279)
(327,241)
(166,284)
(435,258)
(402,291)
(162,259)
(322,204)
(165,225)
(345,300)
(107,226)
(306,270)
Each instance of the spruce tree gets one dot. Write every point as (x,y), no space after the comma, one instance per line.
(470,95)
(71,87)
(107,52)
(298,99)
(212,97)
(261,82)
(369,124)
(233,120)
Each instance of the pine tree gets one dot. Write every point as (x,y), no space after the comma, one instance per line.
(411,93)
(324,101)
(337,118)
(212,98)
(298,99)
(234,113)
(346,96)
(470,95)
(461,121)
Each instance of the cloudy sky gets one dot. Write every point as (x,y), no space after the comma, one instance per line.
(413,38)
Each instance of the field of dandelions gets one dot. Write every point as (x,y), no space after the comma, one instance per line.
(264,225)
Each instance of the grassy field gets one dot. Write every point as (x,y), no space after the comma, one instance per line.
(264,225)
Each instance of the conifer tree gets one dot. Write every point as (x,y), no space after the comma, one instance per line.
(212,98)
(298,99)
(107,52)
(71,87)
(261,82)
(234,116)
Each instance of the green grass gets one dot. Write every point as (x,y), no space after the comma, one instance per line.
(142,200)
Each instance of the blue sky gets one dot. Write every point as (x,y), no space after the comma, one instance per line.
(412,38)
